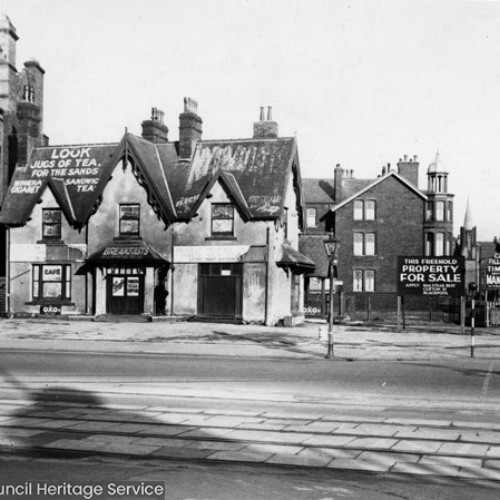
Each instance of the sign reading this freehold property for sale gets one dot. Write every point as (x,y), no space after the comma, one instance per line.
(431,276)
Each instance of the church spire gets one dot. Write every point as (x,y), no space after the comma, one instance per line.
(468,225)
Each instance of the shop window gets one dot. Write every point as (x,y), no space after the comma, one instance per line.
(363,280)
(222,219)
(51,223)
(129,219)
(364,244)
(311,217)
(51,282)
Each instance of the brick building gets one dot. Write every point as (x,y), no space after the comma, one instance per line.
(21,120)
(375,221)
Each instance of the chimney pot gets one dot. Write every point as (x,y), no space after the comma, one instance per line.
(261,114)
(269,113)
(405,157)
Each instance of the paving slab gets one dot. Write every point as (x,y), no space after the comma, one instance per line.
(240,456)
(464,449)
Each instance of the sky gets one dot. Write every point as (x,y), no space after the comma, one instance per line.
(359,83)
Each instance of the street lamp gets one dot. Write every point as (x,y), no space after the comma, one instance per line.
(331,245)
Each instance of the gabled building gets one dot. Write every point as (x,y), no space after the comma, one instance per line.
(205,229)
(374,221)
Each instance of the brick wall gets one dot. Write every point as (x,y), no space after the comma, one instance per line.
(398,229)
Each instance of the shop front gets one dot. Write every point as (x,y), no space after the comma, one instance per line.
(125,277)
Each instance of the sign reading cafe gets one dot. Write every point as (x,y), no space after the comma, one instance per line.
(431,276)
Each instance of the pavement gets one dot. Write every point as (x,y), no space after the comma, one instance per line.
(351,439)
(351,342)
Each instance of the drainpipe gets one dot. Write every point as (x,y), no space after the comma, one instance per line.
(269,280)
(172,268)
(7,272)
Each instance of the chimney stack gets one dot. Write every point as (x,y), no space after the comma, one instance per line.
(190,128)
(408,168)
(154,129)
(265,129)
(30,111)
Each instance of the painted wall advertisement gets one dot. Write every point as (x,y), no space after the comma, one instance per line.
(431,276)
(493,272)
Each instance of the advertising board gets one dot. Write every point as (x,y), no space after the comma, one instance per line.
(431,275)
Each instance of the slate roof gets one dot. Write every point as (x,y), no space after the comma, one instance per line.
(260,167)
(313,247)
(293,259)
(74,173)
(318,190)
(255,172)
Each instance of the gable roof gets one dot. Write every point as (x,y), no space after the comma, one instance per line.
(74,174)
(260,167)
(377,181)
(255,173)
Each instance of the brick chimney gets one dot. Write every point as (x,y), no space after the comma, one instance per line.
(338,175)
(30,110)
(408,168)
(190,128)
(154,129)
(265,128)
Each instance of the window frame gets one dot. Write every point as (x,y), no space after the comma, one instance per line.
(122,217)
(311,213)
(364,244)
(215,218)
(51,224)
(37,283)
(363,280)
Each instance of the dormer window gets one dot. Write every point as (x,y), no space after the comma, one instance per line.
(51,223)
(129,219)
(222,219)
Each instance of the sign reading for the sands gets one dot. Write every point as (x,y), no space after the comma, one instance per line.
(78,165)
(78,170)
(431,276)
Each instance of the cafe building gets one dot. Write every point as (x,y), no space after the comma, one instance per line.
(146,226)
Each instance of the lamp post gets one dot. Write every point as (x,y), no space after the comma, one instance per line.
(472,291)
(331,245)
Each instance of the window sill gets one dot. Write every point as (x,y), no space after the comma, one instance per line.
(50,241)
(221,237)
(50,302)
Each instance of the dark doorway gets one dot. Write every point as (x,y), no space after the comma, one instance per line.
(219,291)
(125,294)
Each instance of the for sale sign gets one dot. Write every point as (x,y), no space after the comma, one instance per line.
(431,276)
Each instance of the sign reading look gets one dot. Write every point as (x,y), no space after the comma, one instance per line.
(431,276)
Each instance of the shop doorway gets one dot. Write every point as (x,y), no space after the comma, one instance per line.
(220,291)
(125,294)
